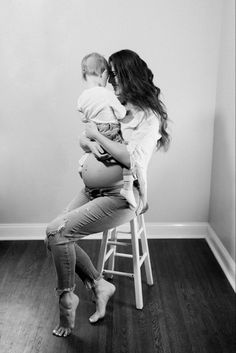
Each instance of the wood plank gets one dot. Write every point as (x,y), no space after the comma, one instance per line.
(189,309)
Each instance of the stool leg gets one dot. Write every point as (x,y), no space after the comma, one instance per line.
(111,261)
(102,252)
(145,248)
(136,266)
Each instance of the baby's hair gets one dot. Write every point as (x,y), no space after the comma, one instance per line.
(93,64)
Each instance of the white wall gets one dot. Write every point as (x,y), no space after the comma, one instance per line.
(222,202)
(42,43)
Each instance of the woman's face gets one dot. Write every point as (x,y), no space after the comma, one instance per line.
(113,79)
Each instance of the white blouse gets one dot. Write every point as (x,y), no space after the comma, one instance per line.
(140,130)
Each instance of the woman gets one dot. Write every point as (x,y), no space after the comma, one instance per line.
(100,206)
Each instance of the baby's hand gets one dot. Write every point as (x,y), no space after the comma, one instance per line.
(91,130)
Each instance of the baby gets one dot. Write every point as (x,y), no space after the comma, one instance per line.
(101,106)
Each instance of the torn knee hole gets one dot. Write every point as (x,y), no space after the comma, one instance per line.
(53,231)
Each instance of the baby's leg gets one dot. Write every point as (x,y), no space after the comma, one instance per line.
(127,190)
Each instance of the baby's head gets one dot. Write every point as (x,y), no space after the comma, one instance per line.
(95,69)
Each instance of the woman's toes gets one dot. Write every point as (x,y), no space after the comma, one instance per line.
(67,332)
(62,332)
(56,331)
(94,318)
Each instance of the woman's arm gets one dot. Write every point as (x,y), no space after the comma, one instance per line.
(118,150)
(84,143)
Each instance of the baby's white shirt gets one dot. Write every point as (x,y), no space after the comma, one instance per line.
(100,105)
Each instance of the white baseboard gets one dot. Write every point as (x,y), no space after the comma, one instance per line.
(197,230)
(36,231)
(22,231)
(222,256)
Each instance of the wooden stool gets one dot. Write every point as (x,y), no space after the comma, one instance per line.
(137,229)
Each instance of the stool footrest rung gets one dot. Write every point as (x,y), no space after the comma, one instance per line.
(128,232)
(126,274)
(120,254)
(111,242)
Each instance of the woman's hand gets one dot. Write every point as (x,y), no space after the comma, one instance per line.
(96,149)
(116,149)
(91,146)
(91,130)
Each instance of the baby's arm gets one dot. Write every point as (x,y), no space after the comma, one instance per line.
(118,109)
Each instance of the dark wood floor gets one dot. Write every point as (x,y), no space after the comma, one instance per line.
(190,308)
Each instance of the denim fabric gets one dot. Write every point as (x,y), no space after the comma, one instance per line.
(91,211)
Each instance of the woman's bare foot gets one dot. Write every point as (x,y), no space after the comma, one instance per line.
(103,291)
(68,303)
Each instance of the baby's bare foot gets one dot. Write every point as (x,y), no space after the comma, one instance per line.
(67,304)
(103,292)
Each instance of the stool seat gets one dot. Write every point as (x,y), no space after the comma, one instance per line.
(108,253)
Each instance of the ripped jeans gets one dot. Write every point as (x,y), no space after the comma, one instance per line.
(91,211)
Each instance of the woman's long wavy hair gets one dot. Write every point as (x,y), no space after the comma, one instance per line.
(137,87)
